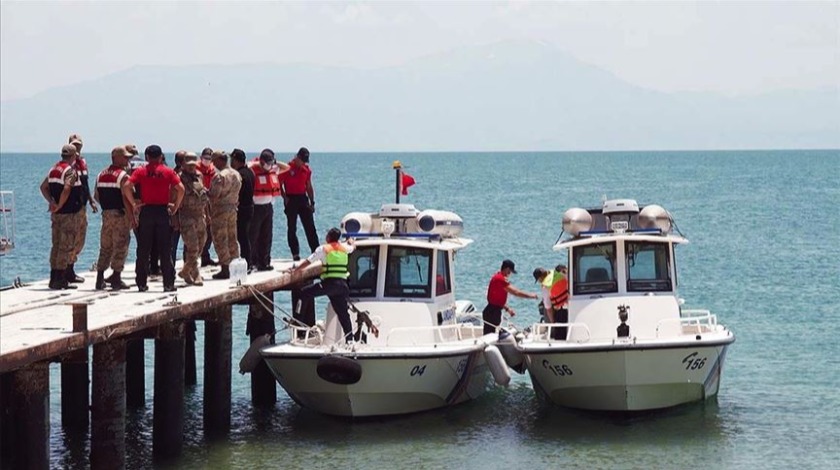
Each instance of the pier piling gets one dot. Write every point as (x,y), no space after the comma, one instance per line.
(261,322)
(30,403)
(107,436)
(135,373)
(217,371)
(168,414)
(6,425)
(190,376)
(75,390)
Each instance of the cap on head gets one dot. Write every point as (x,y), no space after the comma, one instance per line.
(207,153)
(333,235)
(154,151)
(539,274)
(120,152)
(190,159)
(219,155)
(303,154)
(68,150)
(238,155)
(267,155)
(132,149)
(560,268)
(509,264)
(75,139)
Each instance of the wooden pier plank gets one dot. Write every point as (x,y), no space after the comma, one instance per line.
(36,323)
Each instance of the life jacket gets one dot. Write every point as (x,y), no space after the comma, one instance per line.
(82,171)
(266,182)
(55,178)
(336,261)
(109,184)
(559,293)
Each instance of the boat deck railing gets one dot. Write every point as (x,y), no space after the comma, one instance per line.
(542,332)
(414,335)
(691,322)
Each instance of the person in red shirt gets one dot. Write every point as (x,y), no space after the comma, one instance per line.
(497,293)
(156,181)
(299,200)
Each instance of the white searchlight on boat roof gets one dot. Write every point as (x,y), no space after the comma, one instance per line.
(357,222)
(576,221)
(655,217)
(443,223)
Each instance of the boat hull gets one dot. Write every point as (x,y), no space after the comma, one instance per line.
(389,384)
(627,378)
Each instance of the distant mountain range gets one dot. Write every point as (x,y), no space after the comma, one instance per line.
(507,96)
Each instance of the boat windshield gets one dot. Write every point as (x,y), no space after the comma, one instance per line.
(443,285)
(648,267)
(408,272)
(362,267)
(594,269)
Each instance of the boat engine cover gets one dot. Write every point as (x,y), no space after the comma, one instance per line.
(339,370)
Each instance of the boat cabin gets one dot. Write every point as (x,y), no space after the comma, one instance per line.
(621,258)
(402,273)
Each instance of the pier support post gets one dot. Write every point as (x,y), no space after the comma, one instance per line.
(107,435)
(217,372)
(31,416)
(6,424)
(135,373)
(189,354)
(75,390)
(261,322)
(168,421)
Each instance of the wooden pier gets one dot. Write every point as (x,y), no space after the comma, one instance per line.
(39,326)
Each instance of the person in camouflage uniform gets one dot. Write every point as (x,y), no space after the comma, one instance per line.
(224,197)
(193,219)
(81,169)
(117,220)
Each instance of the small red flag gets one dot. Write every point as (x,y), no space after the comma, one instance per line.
(406,182)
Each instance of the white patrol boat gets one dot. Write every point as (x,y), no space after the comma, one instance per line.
(629,344)
(410,353)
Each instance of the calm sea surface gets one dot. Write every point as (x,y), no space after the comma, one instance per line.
(764,256)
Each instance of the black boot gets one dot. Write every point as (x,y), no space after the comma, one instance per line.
(223,274)
(100,280)
(117,282)
(71,275)
(58,280)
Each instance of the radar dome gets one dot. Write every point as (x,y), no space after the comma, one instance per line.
(357,222)
(654,216)
(576,220)
(443,223)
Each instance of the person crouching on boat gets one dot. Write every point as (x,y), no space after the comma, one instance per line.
(334,257)
(497,293)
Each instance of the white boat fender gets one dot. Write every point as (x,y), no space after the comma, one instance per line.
(339,370)
(252,357)
(497,365)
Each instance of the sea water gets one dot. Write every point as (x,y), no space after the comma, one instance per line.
(764,257)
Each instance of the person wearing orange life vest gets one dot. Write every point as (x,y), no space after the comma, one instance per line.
(559,297)
(63,191)
(334,257)
(267,174)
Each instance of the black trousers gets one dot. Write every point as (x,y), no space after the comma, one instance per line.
(492,316)
(176,238)
(243,220)
(259,234)
(154,228)
(560,316)
(297,206)
(338,292)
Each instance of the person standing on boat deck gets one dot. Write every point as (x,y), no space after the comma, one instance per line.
(497,293)
(81,168)
(205,167)
(63,191)
(115,235)
(224,197)
(552,287)
(334,257)
(267,173)
(299,201)
(155,181)
(194,214)
(245,211)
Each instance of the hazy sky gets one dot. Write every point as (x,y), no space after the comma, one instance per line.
(731,47)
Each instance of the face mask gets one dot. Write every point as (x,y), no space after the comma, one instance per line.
(266,166)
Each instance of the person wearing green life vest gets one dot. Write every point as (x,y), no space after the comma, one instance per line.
(334,257)
(554,287)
